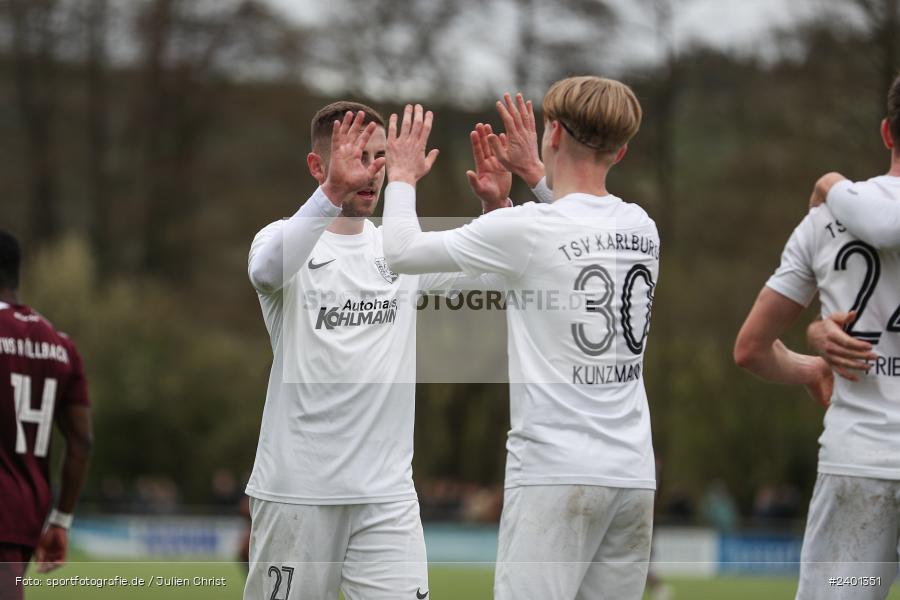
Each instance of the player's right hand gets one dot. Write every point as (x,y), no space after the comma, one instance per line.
(51,549)
(822,187)
(517,147)
(407,159)
(346,171)
(843,353)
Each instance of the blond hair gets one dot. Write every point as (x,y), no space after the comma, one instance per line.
(603,114)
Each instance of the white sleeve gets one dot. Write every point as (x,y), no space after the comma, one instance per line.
(543,193)
(795,278)
(280,249)
(873,218)
(407,248)
(443,282)
(499,242)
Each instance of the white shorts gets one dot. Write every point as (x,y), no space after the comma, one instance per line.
(368,551)
(851,541)
(574,542)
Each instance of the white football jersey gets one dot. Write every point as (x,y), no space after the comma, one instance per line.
(862,426)
(579,275)
(337,426)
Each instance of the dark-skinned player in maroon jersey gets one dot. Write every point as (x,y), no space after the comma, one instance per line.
(41,383)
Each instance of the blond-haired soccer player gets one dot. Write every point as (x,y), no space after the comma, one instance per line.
(579,274)
(850,547)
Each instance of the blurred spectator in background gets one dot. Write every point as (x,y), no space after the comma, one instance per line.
(156,495)
(679,507)
(452,500)
(718,508)
(225,494)
(776,505)
(113,496)
(483,504)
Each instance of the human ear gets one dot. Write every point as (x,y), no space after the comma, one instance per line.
(316,167)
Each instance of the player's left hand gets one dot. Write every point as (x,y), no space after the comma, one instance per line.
(823,386)
(822,187)
(490,180)
(51,549)
(843,352)
(406,158)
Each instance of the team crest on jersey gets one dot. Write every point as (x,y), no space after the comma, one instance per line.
(388,275)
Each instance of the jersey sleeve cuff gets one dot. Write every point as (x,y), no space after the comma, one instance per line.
(795,293)
(542,191)
(322,206)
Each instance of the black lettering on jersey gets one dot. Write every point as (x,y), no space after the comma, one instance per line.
(870,281)
(276,572)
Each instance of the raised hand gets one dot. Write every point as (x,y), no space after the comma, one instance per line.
(490,180)
(843,353)
(346,171)
(822,187)
(406,158)
(517,148)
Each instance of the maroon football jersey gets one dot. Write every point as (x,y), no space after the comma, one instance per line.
(40,373)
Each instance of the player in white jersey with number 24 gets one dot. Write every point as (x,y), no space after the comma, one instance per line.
(850,548)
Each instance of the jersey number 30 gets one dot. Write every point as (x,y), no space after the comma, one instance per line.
(43,418)
(603,306)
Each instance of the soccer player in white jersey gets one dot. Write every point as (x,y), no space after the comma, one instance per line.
(850,548)
(332,501)
(579,274)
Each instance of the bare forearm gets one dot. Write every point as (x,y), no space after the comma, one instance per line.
(74,472)
(778,364)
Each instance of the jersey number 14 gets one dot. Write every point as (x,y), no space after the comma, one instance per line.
(43,418)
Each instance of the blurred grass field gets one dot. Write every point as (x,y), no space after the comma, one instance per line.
(448,582)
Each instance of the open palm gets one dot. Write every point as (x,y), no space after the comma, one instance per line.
(490,180)
(346,170)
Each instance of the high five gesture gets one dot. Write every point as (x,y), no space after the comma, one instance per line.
(490,180)
(517,147)
(406,157)
(346,170)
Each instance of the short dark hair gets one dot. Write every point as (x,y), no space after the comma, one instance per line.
(893,110)
(10,261)
(323,121)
